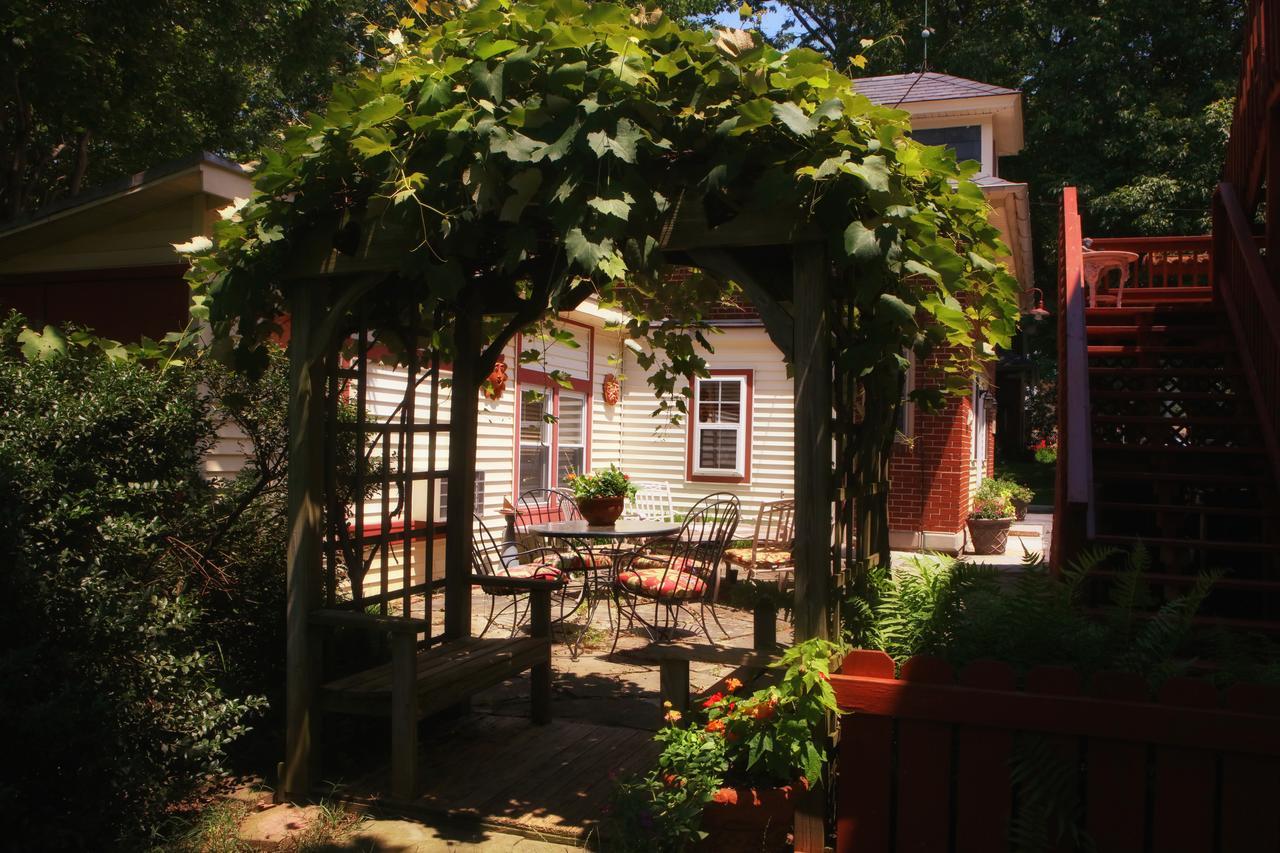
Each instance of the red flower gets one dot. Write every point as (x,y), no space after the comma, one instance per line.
(712,699)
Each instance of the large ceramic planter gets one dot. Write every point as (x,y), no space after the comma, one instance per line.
(755,819)
(1020,509)
(989,535)
(601,512)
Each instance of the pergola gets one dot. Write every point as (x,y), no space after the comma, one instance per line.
(502,166)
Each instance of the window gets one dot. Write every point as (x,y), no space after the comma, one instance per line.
(571,435)
(906,410)
(966,141)
(535,439)
(564,438)
(719,426)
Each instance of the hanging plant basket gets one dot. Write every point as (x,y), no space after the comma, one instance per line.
(748,819)
(989,535)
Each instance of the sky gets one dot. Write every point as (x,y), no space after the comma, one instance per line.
(770,23)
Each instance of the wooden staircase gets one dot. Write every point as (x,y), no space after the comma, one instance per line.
(1177,453)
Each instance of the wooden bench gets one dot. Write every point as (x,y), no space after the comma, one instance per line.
(417,683)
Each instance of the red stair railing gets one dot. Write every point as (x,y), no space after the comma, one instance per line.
(1165,262)
(1073,502)
(1248,294)
(1245,280)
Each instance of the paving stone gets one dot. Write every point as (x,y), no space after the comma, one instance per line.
(407,836)
(266,829)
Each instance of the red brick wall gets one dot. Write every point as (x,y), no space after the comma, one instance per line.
(929,477)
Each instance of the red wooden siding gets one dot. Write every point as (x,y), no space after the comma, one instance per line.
(121,304)
(925,758)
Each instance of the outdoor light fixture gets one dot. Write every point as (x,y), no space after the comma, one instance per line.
(1038,311)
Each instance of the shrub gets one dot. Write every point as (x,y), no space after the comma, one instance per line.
(109,679)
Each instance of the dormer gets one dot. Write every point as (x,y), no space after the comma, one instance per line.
(979,121)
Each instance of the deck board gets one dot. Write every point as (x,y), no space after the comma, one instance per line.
(506,772)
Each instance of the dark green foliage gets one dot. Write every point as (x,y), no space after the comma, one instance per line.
(141,613)
(93,91)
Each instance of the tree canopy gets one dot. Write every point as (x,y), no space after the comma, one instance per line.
(95,90)
(530,154)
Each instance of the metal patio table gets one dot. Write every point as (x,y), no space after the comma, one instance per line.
(586,539)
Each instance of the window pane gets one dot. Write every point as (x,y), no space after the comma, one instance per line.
(533,467)
(731,413)
(572,424)
(533,427)
(570,459)
(718,449)
(731,391)
(709,389)
(966,142)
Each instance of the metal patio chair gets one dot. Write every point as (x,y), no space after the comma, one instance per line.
(490,559)
(676,573)
(771,543)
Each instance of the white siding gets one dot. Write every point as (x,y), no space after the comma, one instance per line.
(654,449)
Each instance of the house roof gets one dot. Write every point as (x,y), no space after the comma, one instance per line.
(894,89)
(123,186)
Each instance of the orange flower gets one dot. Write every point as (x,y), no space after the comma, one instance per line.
(732,684)
(764,710)
(673,716)
(715,726)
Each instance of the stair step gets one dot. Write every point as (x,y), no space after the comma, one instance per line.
(1165,371)
(1246,450)
(1173,420)
(1106,312)
(1105,331)
(1201,477)
(1194,544)
(1144,349)
(1184,509)
(1136,294)
(1225,582)
(1170,396)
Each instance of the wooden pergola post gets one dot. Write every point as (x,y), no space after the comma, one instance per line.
(813,454)
(460,504)
(307,304)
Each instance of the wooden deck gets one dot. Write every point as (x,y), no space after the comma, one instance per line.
(507,773)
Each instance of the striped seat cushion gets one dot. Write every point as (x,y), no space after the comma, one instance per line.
(766,558)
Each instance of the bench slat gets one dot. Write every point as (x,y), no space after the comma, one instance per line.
(445,675)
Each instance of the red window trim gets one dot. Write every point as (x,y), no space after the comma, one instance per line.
(749,417)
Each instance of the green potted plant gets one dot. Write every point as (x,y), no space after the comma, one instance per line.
(990,519)
(728,775)
(601,496)
(1020,496)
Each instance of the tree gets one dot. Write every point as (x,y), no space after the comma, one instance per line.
(94,90)
(1129,100)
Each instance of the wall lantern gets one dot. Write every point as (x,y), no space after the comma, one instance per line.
(1037,311)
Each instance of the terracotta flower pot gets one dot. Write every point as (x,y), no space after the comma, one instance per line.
(601,512)
(748,819)
(989,535)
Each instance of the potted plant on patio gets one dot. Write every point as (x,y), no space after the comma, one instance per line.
(601,496)
(1020,496)
(991,518)
(728,776)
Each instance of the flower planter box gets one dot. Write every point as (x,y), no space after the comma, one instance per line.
(989,535)
(756,819)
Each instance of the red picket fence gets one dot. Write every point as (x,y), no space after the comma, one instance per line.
(925,758)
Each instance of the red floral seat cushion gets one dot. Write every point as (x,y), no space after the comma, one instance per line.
(537,571)
(575,562)
(661,561)
(662,583)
